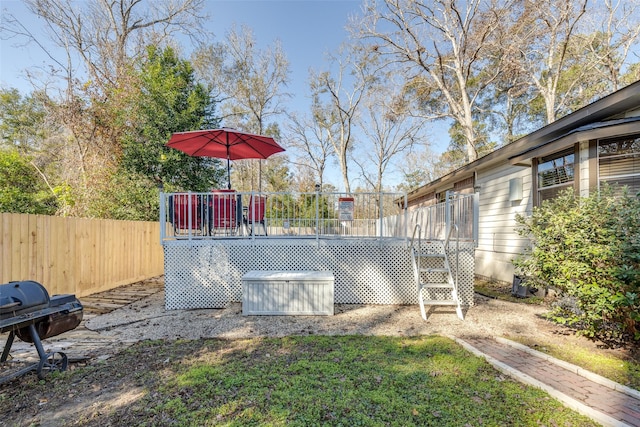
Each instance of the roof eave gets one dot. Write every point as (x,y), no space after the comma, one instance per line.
(625,99)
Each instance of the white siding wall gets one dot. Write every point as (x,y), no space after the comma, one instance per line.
(498,242)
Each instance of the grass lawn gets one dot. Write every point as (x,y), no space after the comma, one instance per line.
(301,381)
(502,291)
(620,369)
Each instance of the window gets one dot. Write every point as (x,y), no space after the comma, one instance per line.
(555,173)
(619,162)
(441,197)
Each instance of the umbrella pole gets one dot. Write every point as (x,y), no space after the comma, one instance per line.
(228,174)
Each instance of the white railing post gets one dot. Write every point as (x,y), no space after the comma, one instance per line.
(190,215)
(317,213)
(448,211)
(380,214)
(163,217)
(476,217)
(406,220)
(251,216)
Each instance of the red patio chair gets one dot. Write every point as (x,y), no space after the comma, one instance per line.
(185,215)
(255,213)
(223,212)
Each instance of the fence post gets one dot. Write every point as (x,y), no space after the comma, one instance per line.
(189,215)
(251,210)
(406,221)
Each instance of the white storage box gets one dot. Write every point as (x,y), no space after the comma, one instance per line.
(287,293)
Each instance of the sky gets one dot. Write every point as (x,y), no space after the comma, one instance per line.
(307,30)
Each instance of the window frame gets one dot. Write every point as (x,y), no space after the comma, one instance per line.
(573,151)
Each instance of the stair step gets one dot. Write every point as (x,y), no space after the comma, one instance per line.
(434,270)
(429,255)
(440,302)
(436,286)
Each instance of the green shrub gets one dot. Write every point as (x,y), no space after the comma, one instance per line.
(22,189)
(588,248)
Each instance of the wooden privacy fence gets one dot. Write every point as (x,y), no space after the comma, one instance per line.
(76,255)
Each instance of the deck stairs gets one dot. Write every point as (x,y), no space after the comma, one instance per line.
(436,283)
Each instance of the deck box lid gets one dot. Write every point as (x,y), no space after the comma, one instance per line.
(283,275)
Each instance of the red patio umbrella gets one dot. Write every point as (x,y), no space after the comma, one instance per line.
(224,143)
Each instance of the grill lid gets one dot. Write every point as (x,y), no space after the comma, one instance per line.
(22,297)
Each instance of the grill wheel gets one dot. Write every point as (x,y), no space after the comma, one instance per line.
(53,362)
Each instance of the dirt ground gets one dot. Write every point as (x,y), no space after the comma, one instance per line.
(84,402)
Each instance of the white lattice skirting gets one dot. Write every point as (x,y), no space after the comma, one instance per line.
(208,273)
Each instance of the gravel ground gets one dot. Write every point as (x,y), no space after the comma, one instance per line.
(148,319)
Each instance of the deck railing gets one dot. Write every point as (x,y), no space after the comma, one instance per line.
(436,220)
(242,215)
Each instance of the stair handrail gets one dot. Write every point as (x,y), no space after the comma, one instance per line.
(413,236)
(416,253)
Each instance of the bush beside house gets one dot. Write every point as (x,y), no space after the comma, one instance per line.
(588,248)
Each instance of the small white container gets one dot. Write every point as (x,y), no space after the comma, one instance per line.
(287,293)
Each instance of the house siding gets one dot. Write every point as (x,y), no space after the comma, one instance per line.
(424,201)
(498,241)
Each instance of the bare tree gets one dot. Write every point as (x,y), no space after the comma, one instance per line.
(505,105)
(390,130)
(616,27)
(441,46)
(250,82)
(544,31)
(337,96)
(558,56)
(312,141)
(107,35)
(253,80)
(303,179)
(419,167)
(101,40)
(571,52)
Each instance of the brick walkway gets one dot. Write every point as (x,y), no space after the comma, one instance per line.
(602,400)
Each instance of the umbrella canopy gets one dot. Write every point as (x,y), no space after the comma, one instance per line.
(224,143)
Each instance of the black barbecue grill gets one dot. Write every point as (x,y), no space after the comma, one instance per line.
(27,311)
